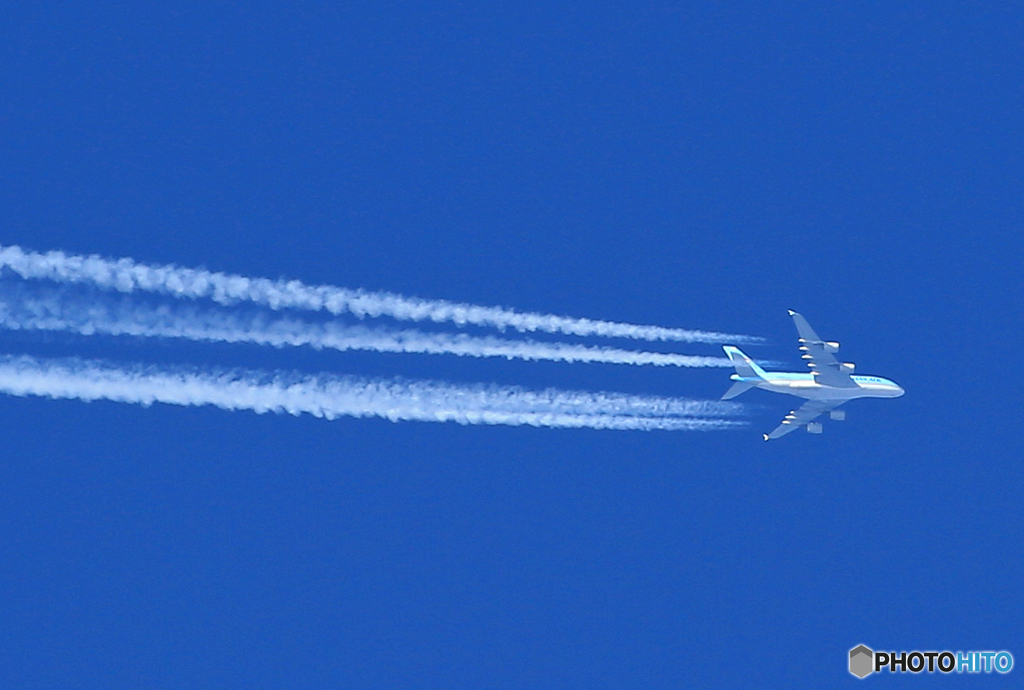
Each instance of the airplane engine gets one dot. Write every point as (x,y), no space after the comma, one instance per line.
(848,367)
(838,415)
(831,346)
(814,428)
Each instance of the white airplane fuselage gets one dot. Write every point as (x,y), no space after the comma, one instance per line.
(804,386)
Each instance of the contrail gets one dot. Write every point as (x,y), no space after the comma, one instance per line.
(26,310)
(331,397)
(125,275)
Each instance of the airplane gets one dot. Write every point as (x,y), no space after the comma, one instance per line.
(828,385)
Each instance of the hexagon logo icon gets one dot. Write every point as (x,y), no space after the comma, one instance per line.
(862,661)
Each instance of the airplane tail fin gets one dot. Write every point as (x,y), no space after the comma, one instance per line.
(745,366)
(748,374)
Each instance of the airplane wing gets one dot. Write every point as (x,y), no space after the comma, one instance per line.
(799,417)
(826,369)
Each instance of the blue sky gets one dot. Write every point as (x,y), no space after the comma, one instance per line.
(681,164)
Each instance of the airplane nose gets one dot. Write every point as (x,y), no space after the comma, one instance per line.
(900,391)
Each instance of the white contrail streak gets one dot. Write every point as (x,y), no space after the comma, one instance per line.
(24,311)
(125,275)
(332,397)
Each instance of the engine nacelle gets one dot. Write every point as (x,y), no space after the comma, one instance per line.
(848,367)
(838,415)
(831,346)
(814,428)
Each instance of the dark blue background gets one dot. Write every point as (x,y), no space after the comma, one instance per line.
(668,163)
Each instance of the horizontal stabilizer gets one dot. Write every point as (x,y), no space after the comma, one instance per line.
(737,388)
